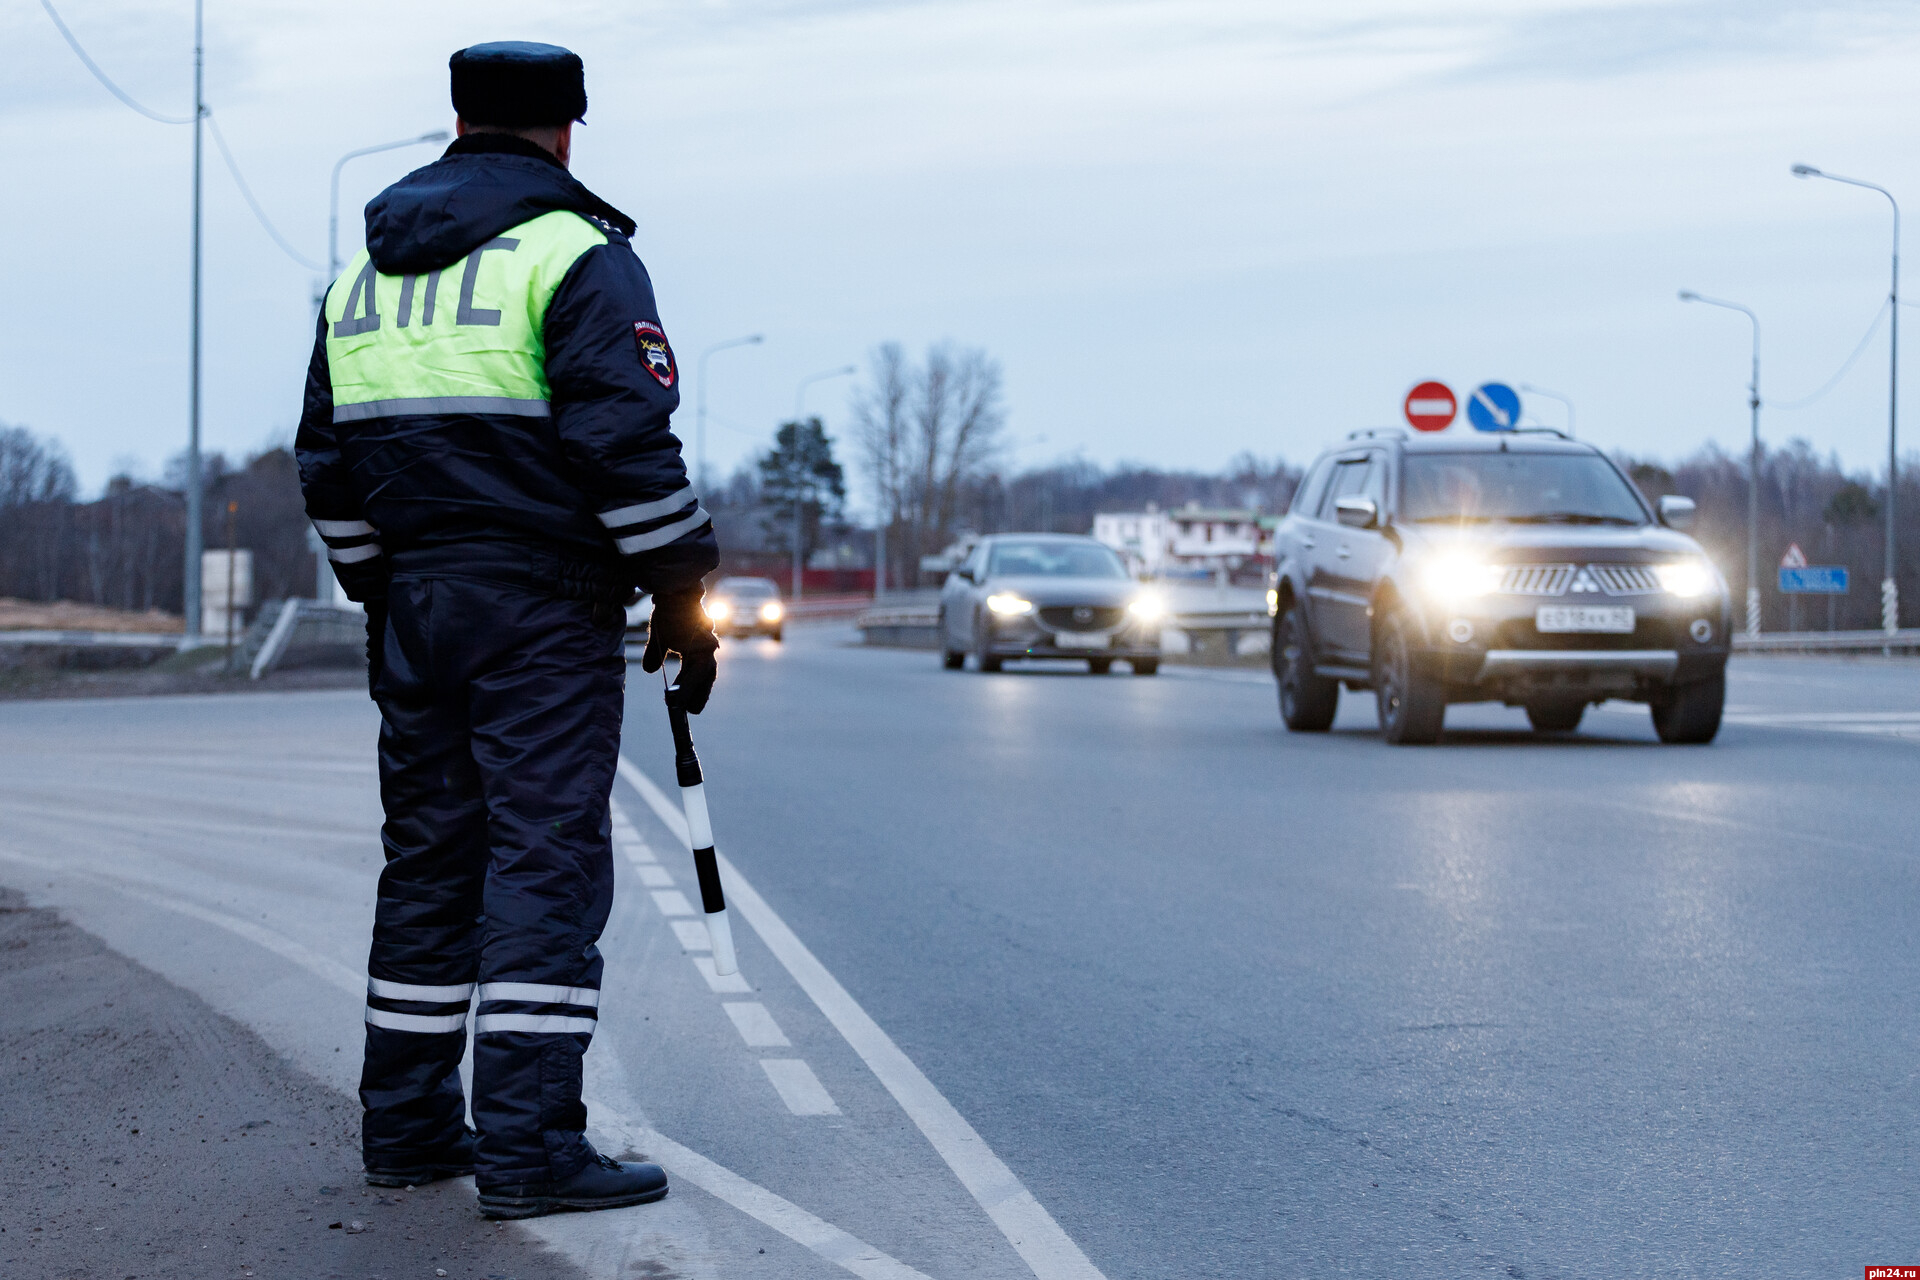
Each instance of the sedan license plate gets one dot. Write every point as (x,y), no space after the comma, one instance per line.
(1612,619)
(1079,640)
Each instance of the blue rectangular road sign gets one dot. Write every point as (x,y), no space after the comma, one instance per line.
(1814,580)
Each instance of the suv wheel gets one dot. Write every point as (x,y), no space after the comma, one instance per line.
(1307,701)
(951,659)
(1412,706)
(1690,713)
(1555,717)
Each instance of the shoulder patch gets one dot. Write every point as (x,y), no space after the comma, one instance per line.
(655,355)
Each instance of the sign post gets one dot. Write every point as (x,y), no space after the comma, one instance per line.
(1798,578)
(1430,406)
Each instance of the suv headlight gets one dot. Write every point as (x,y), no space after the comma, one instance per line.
(1008,605)
(1147,607)
(718,610)
(1684,578)
(1459,576)
(771,611)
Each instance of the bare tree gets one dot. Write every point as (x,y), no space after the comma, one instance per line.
(926,434)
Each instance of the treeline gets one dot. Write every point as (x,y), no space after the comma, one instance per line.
(125,549)
(934,429)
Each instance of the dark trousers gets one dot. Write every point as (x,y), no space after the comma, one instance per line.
(500,729)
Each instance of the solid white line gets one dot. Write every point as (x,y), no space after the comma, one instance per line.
(755,1025)
(1047,1250)
(798,1087)
(790,1220)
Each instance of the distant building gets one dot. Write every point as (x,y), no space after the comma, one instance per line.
(1188,541)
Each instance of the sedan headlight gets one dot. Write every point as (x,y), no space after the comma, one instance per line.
(718,610)
(771,611)
(1459,576)
(1008,605)
(1147,607)
(1684,578)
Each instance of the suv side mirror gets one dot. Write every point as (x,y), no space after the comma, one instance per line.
(1676,512)
(1356,513)
(963,573)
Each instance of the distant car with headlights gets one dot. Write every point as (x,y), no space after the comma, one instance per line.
(746,607)
(639,618)
(1519,567)
(1038,595)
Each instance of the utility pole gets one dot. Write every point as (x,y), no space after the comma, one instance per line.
(191,601)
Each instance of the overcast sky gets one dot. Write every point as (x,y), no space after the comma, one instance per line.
(1187,228)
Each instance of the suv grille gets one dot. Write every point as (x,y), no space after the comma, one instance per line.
(1555,579)
(1067,617)
(1535,579)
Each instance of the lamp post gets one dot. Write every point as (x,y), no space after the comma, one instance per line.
(190,586)
(799,488)
(333,199)
(1889,589)
(1753,461)
(1530,389)
(700,412)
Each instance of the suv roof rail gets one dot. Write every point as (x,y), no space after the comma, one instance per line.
(1374,433)
(1544,431)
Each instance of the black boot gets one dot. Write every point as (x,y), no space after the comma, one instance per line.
(604,1183)
(454,1160)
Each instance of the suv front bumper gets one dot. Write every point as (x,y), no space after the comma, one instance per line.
(1506,658)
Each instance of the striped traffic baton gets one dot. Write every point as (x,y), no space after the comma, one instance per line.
(693,797)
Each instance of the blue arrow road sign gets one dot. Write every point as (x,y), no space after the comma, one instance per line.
(1814,580)
(1494,406)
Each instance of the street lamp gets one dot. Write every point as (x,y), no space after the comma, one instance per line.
(1753,462)
(1889,589)
(799,407)
(700,413)
(1530,389)
(333,199)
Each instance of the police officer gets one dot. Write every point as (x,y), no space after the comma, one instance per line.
(485,450)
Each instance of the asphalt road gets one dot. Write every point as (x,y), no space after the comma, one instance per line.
(1225,1001)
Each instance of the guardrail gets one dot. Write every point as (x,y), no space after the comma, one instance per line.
(1906,640)
(1214,628)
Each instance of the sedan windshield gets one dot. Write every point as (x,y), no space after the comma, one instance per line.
(1521,488)
(1054,560)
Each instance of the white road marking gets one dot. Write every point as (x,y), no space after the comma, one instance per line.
(798,1087)
(731,984)
(639,853)
(755,1025)
(692,935)
(1048,1251)
(803,1228)
(654,876)
(672,902)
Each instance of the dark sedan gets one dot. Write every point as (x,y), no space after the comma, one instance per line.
(1030,595)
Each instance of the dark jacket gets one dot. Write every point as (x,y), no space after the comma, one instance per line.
(585,494)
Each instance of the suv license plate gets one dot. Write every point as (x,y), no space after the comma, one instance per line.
(1079,640)
(1613,619)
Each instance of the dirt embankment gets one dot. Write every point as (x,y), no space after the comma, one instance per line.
(70,615)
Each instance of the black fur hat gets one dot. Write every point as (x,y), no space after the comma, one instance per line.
(517,84)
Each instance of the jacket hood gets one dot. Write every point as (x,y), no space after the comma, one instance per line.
(483,185)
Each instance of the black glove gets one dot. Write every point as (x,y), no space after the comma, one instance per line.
(376,641)
(681,626)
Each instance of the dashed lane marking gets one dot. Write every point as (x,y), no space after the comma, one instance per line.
(798,1087)
(1047,1250)
(755,1025)
(654,876)
(726,984)
(672,902)
(607,1080)
(692,934)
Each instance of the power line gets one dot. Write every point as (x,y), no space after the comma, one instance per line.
(1834,381)
(226,153)
(101,76)
(241,182)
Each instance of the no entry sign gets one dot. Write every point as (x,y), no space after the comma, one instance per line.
(1430,406)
